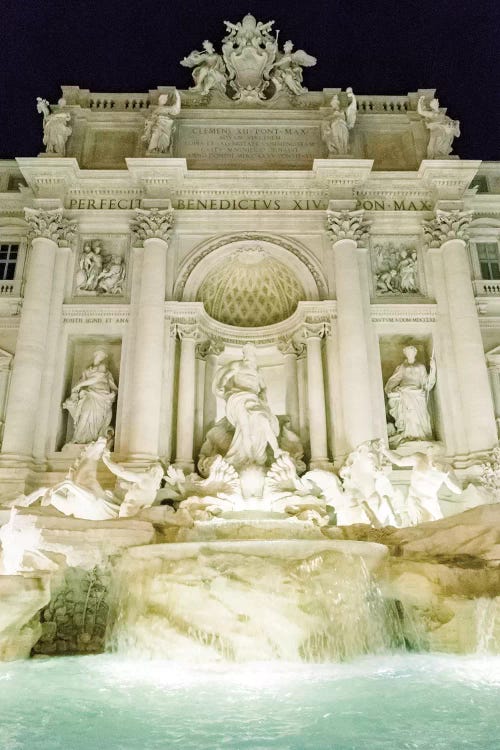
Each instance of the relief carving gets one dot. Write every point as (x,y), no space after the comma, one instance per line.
(396,270)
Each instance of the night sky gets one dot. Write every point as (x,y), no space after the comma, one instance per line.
(377,47)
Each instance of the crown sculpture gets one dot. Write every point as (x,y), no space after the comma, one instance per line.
(251,67)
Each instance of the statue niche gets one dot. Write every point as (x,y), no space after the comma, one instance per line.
(408,390)
(91,400)
(250,434)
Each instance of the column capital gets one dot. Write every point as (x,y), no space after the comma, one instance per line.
(447,225)
(50,224)
(187,331)
(289,345)
(316,330)
(211,345)
(152,223)
(347,225)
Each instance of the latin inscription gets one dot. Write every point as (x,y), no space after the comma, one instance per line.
(249,204)
(234,146)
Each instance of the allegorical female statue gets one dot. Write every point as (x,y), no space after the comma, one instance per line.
(335,129)
(407,392)
(242,387)
(56,130)
(442,129)
(209,71)
(159,128)
(91,401)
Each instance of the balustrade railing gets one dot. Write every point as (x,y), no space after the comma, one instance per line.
(487,287)
(10,288)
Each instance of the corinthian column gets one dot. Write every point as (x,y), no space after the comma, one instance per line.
(348,230)
(151,231)
(47,229)
(463,364)
(208,350)
(188,333)
(313,333)
(290,350)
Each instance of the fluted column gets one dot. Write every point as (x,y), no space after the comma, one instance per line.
(209,350)
(446,236)
(152,230)
(46,230)
(348,230)
(290,350)
(313,333)
(188,333)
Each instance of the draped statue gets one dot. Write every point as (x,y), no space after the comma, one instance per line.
(91,401)
(442,129)
(408,391)
(242,387)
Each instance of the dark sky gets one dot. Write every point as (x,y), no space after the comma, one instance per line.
(377,47)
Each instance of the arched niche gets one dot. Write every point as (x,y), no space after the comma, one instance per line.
(302,264)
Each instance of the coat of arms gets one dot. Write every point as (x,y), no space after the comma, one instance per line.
(251,68)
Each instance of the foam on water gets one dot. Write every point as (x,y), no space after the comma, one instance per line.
(378,702)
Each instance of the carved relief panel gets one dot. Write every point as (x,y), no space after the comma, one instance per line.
(397,268)
(101,267)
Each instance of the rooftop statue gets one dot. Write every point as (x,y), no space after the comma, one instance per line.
(159,128)
(335,129)
(287,70)
(56,130)
(442,129)
(251,67)
(209,71)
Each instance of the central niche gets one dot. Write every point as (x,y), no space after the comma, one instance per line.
(250,288)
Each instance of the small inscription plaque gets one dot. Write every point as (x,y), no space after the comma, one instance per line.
(236,146)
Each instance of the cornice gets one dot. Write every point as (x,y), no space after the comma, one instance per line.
(193,313)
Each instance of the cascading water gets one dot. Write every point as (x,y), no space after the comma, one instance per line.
(244,601)
(487,625)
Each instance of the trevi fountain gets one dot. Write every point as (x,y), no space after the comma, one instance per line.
(249,400)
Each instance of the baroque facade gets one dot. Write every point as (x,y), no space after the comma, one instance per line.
(162,232)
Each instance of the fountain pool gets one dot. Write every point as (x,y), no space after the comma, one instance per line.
(392,701)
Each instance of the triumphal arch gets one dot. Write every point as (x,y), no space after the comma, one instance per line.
(249,271)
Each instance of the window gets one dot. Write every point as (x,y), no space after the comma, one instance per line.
(481,183)
(489,261)
(15,182)
(8,260)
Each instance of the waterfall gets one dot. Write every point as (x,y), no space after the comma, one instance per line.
(486,612)
(236,601)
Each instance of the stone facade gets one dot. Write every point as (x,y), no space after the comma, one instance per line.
(243,230)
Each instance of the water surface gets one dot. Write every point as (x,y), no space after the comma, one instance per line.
(392,701)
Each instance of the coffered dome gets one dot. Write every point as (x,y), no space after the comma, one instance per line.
(250,289)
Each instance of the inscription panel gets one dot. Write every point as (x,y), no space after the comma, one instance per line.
(240,146)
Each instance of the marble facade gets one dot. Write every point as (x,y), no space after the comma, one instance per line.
(167,230)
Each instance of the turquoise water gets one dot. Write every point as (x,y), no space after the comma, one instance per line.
(105,702)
